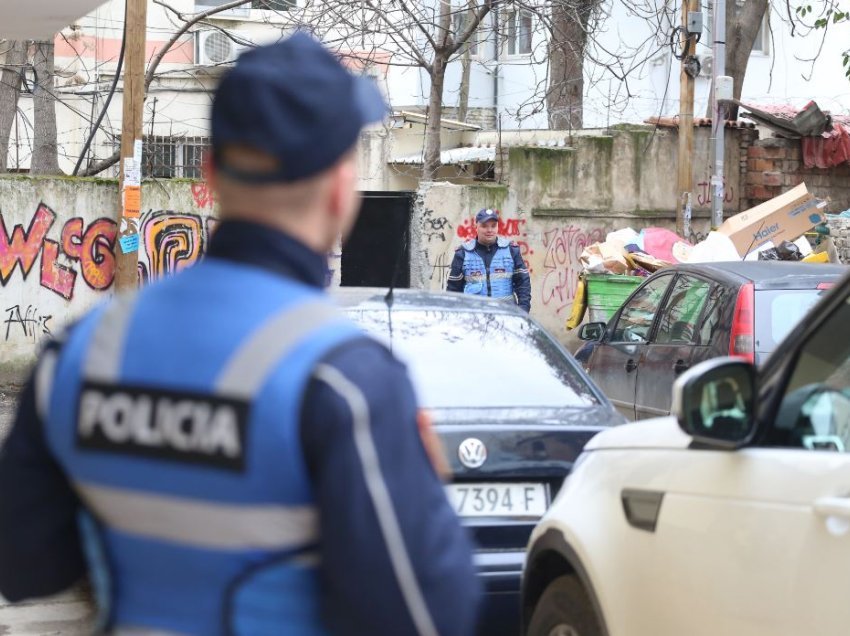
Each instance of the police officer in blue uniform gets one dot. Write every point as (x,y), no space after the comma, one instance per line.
(490,265)
(222,452)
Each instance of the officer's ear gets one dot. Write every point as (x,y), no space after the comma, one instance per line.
(344,199)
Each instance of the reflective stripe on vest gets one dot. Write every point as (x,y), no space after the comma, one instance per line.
(500,272)
(193,522)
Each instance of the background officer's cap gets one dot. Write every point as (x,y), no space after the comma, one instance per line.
(296,102)
(487,215)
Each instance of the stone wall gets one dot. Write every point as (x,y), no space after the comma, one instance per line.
(775,165)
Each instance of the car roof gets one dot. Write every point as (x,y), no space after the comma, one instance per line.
(374,298)
(768,274)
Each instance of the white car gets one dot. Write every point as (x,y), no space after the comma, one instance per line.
(730,519)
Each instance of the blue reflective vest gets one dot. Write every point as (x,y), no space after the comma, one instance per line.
(178,425)
(496,282)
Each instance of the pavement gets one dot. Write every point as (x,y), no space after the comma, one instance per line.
(8,399)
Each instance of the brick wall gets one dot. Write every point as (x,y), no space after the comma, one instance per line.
(776,165)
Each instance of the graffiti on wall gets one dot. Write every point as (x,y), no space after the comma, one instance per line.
(434,227)
(170,242)
(561,265)
(88,247)
(31,321)
(705,192)
(507,227)
(203,195)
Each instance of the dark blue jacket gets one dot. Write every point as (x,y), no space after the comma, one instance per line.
(521,279)
(363,591)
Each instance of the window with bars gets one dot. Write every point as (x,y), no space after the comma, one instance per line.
(173,157)
(274,5)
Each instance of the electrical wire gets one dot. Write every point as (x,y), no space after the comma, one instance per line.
(96,125)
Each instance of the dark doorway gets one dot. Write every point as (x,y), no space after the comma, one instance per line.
(379,243)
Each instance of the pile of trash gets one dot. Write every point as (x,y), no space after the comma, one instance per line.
(774,231)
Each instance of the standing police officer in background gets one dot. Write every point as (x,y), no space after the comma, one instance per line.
(490,265)
(223,452)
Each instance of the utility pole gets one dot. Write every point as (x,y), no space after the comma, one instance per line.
(129,177)
(686,115)
(721,94)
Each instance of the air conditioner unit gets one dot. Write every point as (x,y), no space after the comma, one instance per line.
(706,66)
(214,47)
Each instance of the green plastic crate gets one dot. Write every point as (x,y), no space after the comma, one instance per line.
(606,292)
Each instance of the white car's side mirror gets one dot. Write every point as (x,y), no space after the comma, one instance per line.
(715,402)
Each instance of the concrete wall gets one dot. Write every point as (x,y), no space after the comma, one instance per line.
(56,251)
(560,200)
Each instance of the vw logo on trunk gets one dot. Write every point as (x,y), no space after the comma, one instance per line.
(472,452)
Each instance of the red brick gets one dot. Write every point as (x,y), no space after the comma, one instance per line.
(755,178)
(760,165)
(772,179)
(775,153)
(793,179)
(761,193)
(754,152)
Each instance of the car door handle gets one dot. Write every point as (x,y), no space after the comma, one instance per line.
(833,507)
(631,365)
(680,365)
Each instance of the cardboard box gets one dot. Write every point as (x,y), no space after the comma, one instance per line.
(783,218)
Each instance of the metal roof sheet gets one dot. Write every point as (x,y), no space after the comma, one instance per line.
(41,19)
(452,157)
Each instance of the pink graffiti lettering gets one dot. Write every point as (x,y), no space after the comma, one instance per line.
(561,264)
(92,247)
(22,246)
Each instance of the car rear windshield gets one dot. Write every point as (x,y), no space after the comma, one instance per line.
(778,311)
(473,360)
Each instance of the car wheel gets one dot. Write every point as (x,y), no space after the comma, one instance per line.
(564,609)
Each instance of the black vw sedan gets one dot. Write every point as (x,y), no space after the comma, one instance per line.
(513,409)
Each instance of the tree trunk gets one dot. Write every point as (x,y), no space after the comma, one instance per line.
(45,158)
(564,96)
(431,156)
(463,98)
(10,89)
(742,26)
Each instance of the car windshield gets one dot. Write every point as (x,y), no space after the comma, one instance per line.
(463,359)
(778,311)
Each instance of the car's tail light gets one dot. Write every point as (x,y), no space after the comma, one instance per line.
(742,340)
(826,285)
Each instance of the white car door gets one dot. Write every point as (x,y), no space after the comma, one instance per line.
(757,541)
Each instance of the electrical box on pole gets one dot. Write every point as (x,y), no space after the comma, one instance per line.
(130,174)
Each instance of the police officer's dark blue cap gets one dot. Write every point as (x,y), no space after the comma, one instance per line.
(296,102)
(487,214)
